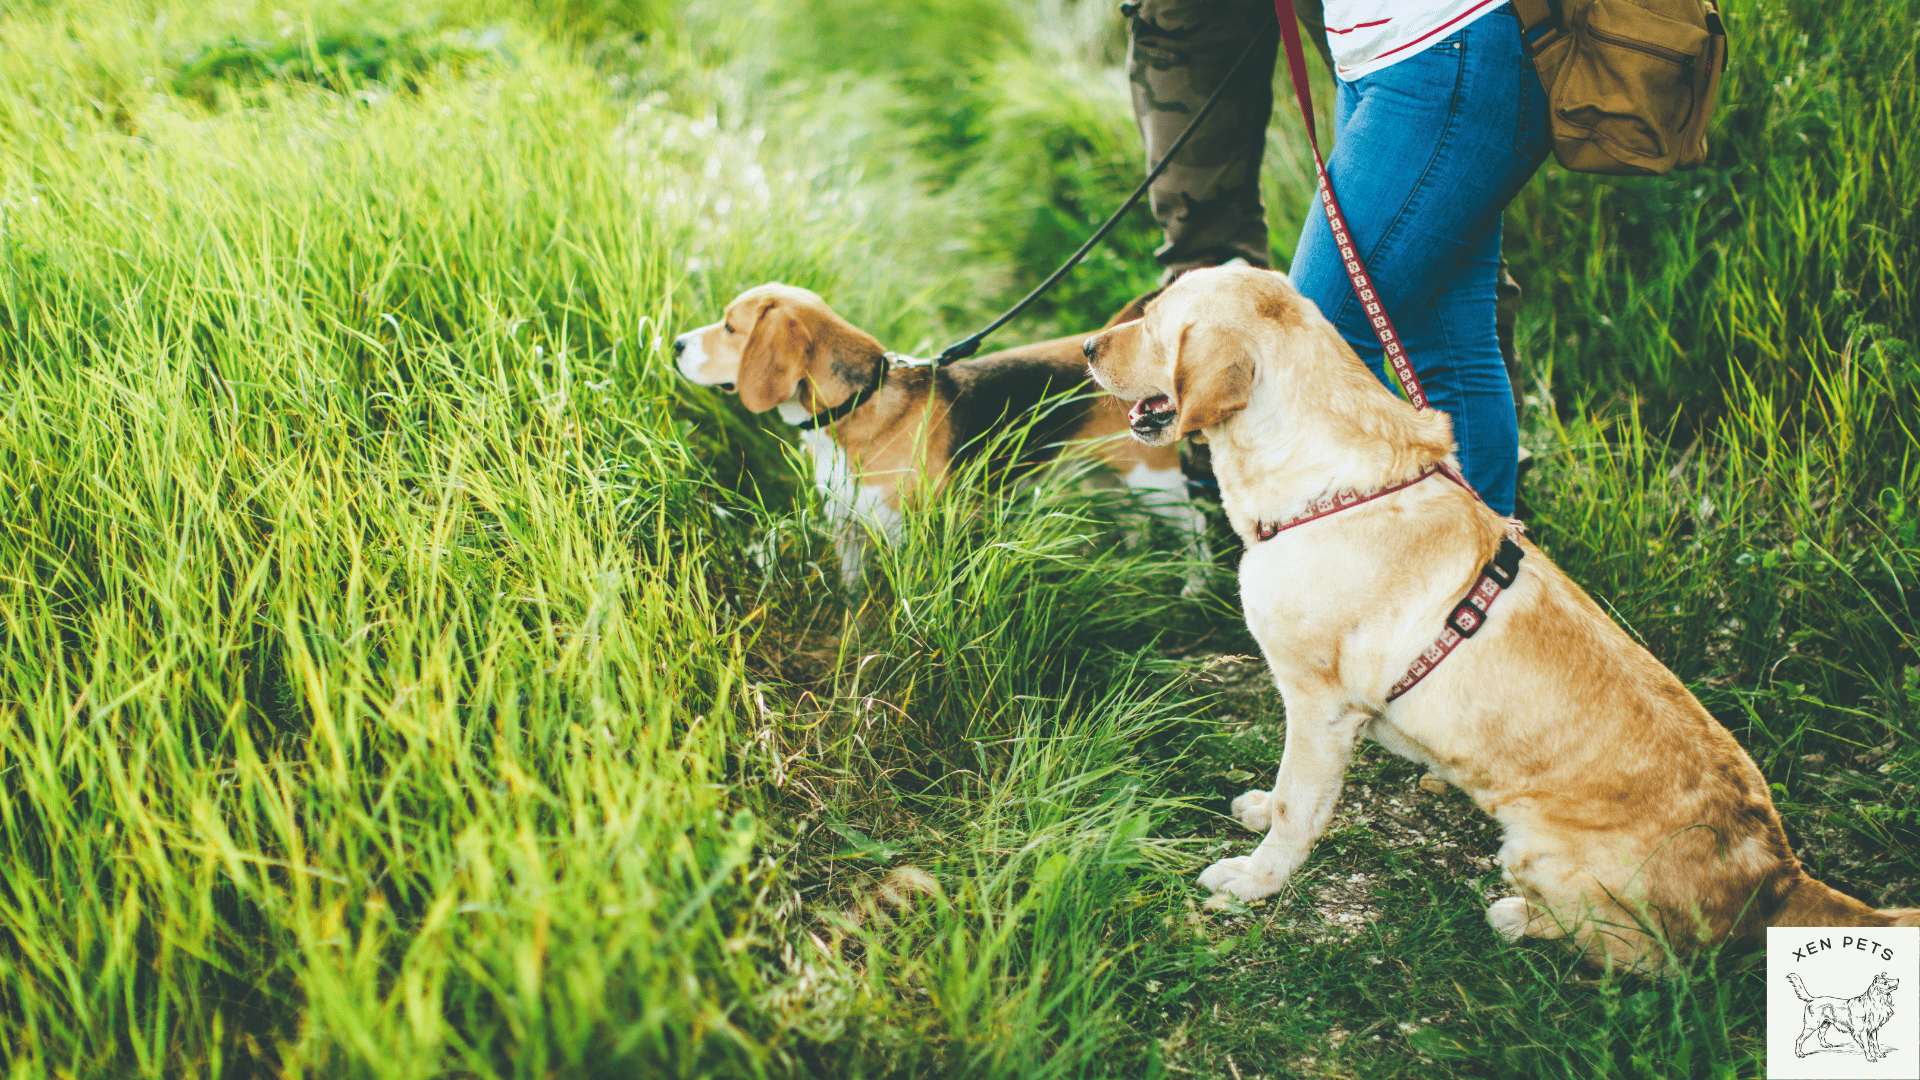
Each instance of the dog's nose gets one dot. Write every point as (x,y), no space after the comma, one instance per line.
(679,345)
(1088,346)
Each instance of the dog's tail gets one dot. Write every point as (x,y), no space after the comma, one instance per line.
(1799,988)
(1814,903)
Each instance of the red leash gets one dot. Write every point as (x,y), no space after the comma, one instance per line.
(1342,236)
(1350,253)
(1497,575)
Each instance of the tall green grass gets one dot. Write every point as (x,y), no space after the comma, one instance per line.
(1762,264)
(378,698)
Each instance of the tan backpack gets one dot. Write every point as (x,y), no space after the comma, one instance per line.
(1630,83)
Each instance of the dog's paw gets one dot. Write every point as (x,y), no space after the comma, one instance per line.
(1432,784)
(1255,810)
(1509,918)
(1240,879)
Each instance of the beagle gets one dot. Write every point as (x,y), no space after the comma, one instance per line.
(878,427)
(1628,811)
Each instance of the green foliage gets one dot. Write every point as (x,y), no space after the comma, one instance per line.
(338,61)
(376,681)
(1758,265)
(590,22)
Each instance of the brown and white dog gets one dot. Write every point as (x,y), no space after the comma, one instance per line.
(878,431)
(1860,1017)
(1626,806)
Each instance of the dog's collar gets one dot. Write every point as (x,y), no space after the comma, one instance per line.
(839,412)
(1336,501)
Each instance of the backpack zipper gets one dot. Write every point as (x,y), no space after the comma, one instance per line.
(1672,56)
(1660,52)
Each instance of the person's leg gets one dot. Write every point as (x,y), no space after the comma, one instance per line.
(1208,200)
(1469,381)
(1429,152)
(1506,315)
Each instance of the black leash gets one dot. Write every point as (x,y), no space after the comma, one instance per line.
(966,347)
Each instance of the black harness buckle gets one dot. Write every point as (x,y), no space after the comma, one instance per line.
(1470,614)
(1505,565)
(1466,620)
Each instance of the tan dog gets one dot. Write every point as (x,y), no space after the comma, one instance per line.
(1861,1017)
(904,426)
(1625,805)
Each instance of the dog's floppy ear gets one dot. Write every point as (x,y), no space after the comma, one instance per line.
(777,353)
(1212,377)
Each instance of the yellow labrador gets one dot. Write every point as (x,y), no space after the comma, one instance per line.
(1627,808)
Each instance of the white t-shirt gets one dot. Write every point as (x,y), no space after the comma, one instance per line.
(1367,35)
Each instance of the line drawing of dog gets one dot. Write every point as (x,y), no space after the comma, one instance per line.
(1861,1017)
(781,347)
(1633,821)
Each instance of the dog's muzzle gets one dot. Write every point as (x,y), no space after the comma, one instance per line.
(1150,416)
(680,345)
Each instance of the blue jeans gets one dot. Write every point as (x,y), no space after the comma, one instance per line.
(1427,154)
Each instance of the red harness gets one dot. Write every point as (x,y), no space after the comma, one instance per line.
(1468,616)
(1336,501)
(1496,576)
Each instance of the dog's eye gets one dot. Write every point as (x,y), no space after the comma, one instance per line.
(728,327)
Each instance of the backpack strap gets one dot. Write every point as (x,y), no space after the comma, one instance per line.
(1534,12)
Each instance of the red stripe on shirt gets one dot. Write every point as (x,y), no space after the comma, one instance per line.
(1435,30)
(1425,36)
(1357,26)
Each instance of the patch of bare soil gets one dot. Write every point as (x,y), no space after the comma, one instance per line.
(1427,824)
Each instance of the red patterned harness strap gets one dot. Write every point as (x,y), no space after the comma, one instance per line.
(1468,616)
(1335,501)
(1363,288)
(1332,503)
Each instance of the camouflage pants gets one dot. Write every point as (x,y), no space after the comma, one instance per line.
(1208,200)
